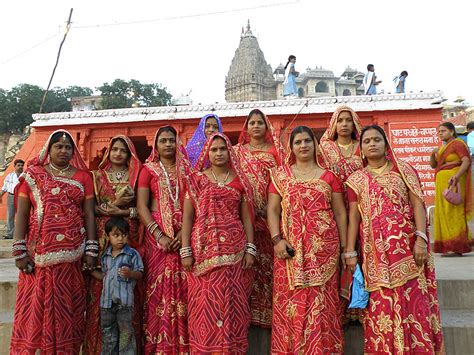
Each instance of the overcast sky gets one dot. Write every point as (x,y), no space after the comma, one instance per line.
(184,49)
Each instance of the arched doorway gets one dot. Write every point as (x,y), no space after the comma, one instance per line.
(322,87)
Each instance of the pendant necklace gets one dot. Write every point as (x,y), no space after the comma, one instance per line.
(118,175)
(220,184)
(258,147)
(380,169)
(61,172)
(175,198)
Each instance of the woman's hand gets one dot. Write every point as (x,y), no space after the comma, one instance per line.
(453,181)
(420,252)
(248,261)
(280,249)
(124,198)
(187,263)
(25,265)
(88,263)
(351,263)
(435,151)
(174,244)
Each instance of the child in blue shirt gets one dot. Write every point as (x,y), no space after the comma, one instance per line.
(121,267)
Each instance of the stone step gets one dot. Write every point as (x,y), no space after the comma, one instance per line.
(6,326)
(5,252)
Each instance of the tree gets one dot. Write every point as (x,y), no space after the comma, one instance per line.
(123,94)
(19,104)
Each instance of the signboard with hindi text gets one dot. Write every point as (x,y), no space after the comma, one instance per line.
(413,143)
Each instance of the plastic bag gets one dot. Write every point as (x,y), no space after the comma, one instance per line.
(359,296)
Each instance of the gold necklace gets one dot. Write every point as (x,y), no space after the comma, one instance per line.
(118,175)
(345,146)
(306,173)
(220,184)
(378,170)
(259,147)
(61,172)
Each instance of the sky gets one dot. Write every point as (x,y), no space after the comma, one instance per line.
(189,45)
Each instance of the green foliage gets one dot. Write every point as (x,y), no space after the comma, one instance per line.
(124,94)
(19,104)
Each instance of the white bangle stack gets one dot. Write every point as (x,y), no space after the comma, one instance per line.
(92,248)
(185,252)
(251,249)
(350,254)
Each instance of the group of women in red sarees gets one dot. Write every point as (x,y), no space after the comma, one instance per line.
(249,235)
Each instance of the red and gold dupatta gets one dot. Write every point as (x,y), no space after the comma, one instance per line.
(330,152)
(166,213)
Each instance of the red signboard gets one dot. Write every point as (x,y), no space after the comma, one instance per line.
(413,143)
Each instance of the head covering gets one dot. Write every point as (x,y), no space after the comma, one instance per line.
(408,173)
(43,156)
(198,139)
(271,137)
(183,165)
(291,158)
(203,162)
(330,133)
(134,163)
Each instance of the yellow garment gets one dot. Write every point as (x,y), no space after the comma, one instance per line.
(451,232)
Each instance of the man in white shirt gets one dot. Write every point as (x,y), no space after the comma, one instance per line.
(9,188)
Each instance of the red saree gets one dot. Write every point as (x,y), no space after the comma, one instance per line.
(306,304)
(403,312)
(219,289)
(106,191)
(165,313)
(50,304)
(256,165)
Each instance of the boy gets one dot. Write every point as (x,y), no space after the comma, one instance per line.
(121,267)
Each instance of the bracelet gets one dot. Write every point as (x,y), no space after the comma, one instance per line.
(421,246)
(18,247)
(350,254)
(92,254)
(92,247)
(133,212)
(152,229)
(422,235)
(21,256)
(251,249)
(19,241)
(150,225)
(185,252)
(276,239)
(92,241)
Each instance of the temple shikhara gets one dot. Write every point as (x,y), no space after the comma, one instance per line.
(409,119)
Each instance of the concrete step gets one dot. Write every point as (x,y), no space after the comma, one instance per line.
(5,252)
(6,243)
(6,327)
(8,284)
(455,278)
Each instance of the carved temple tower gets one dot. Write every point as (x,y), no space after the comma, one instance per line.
(250,78)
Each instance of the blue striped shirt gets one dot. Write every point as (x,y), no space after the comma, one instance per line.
(115,289)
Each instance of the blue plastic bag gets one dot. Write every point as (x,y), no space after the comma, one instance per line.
(359,296)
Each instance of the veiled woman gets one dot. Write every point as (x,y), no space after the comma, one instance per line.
(160,200)
(339,144)
(387,215)
(208,125)
(54,225)
(115,187)
(308,202)
(258,151)
(218,251)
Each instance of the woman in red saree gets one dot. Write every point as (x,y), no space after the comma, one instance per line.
(310,204)
(339,145)
(159,202)
(388,214)
(218,248)
(114,186)
(55,214)
(452,162)
(258,151)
